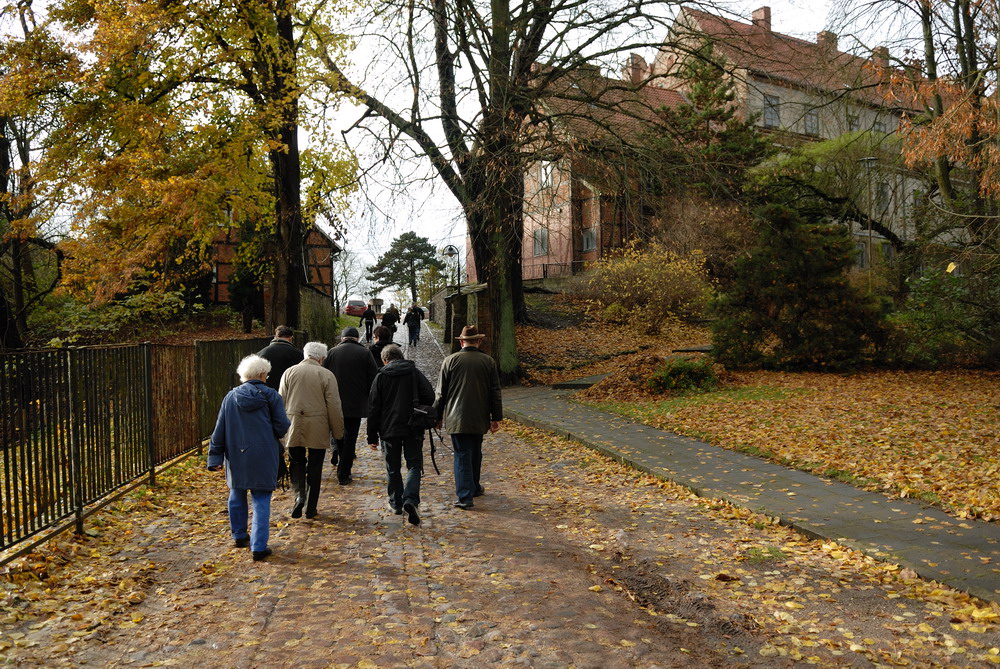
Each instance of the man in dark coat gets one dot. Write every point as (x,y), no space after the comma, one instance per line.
(412,322)
(368,319)
(355,370)
(390,406)
(469,403)
(281,354)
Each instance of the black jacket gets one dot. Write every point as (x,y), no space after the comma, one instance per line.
(412,319)
(282,355)
(389,319)
(355,370)
(369,315)
(390,404)
(376,350)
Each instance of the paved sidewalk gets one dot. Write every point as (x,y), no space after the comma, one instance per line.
(962,554)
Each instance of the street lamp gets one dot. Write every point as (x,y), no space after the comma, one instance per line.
(451,251)
(868,161)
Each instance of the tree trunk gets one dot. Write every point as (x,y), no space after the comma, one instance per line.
(289,274)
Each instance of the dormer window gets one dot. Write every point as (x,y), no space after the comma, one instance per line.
(853,122)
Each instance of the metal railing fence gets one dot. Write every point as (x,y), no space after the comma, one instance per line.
(80,424)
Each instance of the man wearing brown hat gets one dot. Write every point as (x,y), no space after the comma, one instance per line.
(469,403)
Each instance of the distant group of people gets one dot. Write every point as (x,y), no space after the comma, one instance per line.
(312,401)
(414,316)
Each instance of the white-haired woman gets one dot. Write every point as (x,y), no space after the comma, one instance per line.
(251,421)
(313,404)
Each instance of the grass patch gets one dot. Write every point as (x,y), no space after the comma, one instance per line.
(764,554)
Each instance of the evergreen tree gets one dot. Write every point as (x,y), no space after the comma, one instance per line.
(401,266)
(790,305)
(705,144)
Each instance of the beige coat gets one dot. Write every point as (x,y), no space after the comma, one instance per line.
(312,403)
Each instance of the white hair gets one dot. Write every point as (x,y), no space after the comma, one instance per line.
(315,350)
(252,367)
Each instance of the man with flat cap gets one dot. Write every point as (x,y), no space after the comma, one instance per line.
(469,403)
(355,370)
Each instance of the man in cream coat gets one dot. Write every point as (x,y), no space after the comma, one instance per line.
(312,402)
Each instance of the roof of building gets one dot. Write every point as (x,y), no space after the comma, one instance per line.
(764,53)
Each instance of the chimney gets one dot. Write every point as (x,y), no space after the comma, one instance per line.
(827,40)
(762,19)
(636,70)
(880,55)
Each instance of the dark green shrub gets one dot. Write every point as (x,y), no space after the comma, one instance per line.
(684,375)
(790,305)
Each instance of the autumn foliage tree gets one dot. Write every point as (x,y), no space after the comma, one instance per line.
(174,120)
(790,305)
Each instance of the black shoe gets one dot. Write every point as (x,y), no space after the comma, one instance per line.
(242,543)
(480,491)
(261,555)
(311,514)
(346,481)
(297,509)
(462,505)
(411,513)
(395,509)
(333,459)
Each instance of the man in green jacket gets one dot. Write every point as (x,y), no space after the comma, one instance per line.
(469,403)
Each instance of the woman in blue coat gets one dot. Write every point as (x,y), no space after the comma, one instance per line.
(251,420)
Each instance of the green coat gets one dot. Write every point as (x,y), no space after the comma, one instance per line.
(468,392)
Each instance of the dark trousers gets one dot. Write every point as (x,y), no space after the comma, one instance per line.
(369,325)
(414,334)
(305,470)
(468,464)
(347,448)
(395,450)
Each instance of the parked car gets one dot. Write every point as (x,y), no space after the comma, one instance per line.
(355,308)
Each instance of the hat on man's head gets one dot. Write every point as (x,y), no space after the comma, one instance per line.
(471,333)
(350,332)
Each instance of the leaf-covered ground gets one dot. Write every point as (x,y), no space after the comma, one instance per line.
(928,435)
(569,560)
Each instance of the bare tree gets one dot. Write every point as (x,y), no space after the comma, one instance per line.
(469,96)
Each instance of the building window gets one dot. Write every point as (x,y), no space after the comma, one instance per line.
(853,122)
(772,116)
(547,169)
(810,122)
(880,126)
(917,200)
(540,237)
(588,240)
(860,255)
(882,197)
(888,251)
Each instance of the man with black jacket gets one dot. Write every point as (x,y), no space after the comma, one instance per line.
(281,354)
(355,370)
(390,406)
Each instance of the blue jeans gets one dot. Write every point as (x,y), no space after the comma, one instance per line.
(468,464)
(260,530)
(395,450)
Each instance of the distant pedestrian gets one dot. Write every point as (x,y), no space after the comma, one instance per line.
(412,323)
(383,337)
(312,401)
(281,353)
(355,370)
(390,318)
(368,319)
(469,403)
(390,407)
(251,420)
